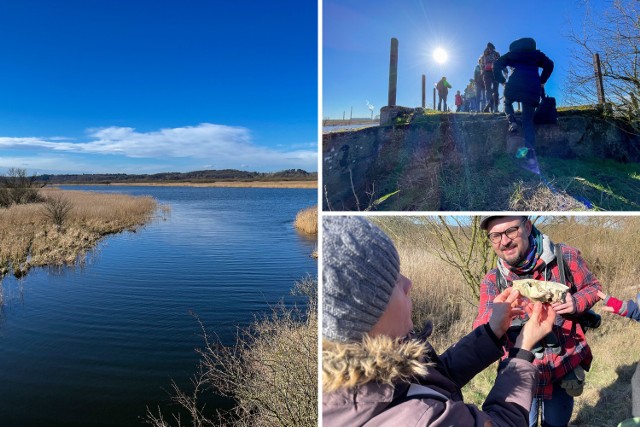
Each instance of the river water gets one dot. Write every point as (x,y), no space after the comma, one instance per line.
(95,345)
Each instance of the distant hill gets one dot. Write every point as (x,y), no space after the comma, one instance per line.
(204,176)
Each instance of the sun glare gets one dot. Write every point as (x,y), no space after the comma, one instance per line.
(440,55)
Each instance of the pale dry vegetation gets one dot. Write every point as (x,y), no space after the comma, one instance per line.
(609,245)
(307,220)
(270,373)
(64,226)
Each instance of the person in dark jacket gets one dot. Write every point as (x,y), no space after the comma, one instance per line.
(487,65)
(375,371)
(524,86)
(443,87)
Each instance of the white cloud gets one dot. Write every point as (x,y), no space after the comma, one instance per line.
(227,146)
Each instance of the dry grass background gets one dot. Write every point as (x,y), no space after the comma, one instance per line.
(28,238)
(610,246)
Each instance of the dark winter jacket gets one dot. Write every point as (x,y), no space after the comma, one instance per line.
(443,87)
(524,83)
(364,383)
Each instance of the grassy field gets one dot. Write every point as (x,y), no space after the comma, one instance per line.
(608,244)
(30,238)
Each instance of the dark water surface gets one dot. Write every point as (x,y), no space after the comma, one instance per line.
(94,345)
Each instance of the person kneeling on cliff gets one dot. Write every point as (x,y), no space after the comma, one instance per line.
(375,371)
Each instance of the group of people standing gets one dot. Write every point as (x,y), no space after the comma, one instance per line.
(518,71)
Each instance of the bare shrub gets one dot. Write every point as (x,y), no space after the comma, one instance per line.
(18,188)
(56,208)
(270,372)
(307,220)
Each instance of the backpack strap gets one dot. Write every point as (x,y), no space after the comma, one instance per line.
(565,272)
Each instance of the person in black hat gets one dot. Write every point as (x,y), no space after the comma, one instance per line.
(524,252)
(525,86)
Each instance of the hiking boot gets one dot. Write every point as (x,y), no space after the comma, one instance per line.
(513,127)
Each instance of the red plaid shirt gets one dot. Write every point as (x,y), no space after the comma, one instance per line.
(575,350)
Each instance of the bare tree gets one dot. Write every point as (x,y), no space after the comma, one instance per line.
(464,246)
(615,35)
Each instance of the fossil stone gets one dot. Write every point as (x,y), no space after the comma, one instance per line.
(537,290)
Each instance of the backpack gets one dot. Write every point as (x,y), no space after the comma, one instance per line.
(477,74)
(440,86)
(546,112)
(487,59)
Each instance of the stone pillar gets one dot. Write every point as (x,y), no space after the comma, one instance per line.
(424,88)
(393,72)
(434,98)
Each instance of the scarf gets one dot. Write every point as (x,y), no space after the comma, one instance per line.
(532,257)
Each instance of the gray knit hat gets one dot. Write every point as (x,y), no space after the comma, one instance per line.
(359,271)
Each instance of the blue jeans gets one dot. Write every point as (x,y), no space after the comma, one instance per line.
(555,412)
(527,121)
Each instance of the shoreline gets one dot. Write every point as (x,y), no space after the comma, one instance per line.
(231,184)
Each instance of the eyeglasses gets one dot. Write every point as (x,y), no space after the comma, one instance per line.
(511,234)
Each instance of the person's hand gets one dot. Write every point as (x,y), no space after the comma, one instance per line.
(506,306)
(568,307)
(541,318)
(603,297)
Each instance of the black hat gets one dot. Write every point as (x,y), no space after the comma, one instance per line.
(490,45)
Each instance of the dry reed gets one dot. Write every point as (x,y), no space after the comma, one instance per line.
(307,220)
(28,238)
(609,245)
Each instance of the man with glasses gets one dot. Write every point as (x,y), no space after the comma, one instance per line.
(524,252)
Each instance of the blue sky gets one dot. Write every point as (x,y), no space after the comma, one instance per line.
(357,37)
(145,86)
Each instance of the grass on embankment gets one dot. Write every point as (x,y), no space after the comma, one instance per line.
(28,238)
(609,246)
(565,185)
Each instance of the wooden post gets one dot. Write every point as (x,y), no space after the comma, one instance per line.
(393,72)
(597,69)
(424,88)
(434,98)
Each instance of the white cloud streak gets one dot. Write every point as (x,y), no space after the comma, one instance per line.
(226,146)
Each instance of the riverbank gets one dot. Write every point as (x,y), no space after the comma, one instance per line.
(29,237)
(222,184)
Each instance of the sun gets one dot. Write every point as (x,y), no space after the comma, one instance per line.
(440,55)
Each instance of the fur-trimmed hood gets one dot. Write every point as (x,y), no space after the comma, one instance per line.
(380,359)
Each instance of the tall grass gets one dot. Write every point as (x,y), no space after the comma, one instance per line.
(609,245)
(30,237)
(307,220)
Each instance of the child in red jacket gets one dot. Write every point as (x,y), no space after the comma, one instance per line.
(459,101)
